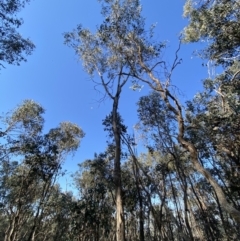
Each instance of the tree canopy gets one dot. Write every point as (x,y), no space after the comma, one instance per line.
(13,47)
(183,185)
(216,23)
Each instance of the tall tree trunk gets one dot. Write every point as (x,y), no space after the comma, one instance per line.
(194,159)
(141,217)
(120,227)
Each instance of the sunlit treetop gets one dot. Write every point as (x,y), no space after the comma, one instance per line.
(217,23)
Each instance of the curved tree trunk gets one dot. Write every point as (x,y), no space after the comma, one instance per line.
(194,157)
(174,106)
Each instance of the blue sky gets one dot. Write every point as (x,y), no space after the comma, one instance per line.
(53,75)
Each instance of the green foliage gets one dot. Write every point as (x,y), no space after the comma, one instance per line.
(27,116)
(112,50)
(107,122)
(165,192)
(96,185)
(13,47)
(27,186)
(217,23)
(213,125)
(67,136)
(184,142)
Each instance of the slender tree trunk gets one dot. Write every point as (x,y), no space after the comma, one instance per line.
(13,227)
(222,218)
(140,200)
(183,180)
(39,213)
(120,227)
(176,204)
(141,218)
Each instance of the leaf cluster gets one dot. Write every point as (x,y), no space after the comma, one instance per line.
(13,47)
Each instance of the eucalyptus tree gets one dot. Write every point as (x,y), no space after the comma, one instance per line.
(148,71)
(13,47)
(213,120)
(157,128)
(122,49)
(217,107)
(30,164)
(108,53)
(213,132)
